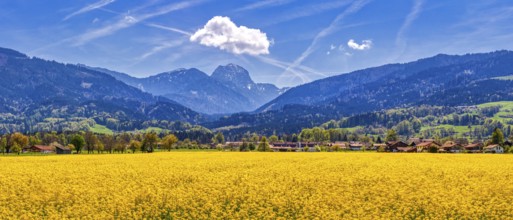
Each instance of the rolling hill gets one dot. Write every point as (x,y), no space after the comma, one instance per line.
(33,89)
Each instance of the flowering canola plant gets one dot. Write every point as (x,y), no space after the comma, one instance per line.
(208,185)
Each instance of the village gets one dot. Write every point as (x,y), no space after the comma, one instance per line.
(412,145)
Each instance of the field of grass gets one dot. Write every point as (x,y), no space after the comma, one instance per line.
(457,129)
(152,129)
(506,111)
(100,129)
(223,185)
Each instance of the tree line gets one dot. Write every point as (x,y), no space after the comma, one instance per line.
(89,142)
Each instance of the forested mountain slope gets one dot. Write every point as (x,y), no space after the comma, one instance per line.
(32,90)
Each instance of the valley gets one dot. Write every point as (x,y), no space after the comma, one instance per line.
(459,96)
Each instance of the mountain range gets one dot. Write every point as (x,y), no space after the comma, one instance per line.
(35,91)
(229,89)
(442,80)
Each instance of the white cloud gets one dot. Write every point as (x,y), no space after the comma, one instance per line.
(365,45)
(222,33)
(88,8)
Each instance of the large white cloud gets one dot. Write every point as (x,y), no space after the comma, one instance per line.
(365,45)
(222,33)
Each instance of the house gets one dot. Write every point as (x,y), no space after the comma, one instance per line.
(494,148)
(424,146)
(287,146)
(59,149)
(309,144)
(236,144)
(340,145)
(416,141)
(356,146)
(406,149)
(451,147)
(474,147)
(42,149)
(392,146)
(378,146)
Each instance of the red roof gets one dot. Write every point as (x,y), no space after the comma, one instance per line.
(476,145)
(427,144)
(407,149)
(42,148)
(491,146)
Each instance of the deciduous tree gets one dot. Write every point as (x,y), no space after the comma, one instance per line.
(169,141)
(150,141)
(78,142)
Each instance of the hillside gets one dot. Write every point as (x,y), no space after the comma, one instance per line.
(473,122)
(229,89)
(425,81)
(442,80)
(33,91)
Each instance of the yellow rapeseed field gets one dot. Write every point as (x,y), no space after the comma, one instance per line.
(208,185)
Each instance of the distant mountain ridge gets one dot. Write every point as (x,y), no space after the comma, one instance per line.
(33,89)
(442,80)
(229,89)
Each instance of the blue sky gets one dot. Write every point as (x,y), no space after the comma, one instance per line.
(285,42)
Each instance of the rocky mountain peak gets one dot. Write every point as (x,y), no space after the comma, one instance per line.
(234,74)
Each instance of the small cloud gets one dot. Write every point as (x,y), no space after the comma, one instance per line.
(365,45)
(95,20)
(222,33)
(336,48)
(130,19)
(348,54)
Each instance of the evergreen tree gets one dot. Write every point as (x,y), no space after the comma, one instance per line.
(497,137)
(218,138)
(263,145)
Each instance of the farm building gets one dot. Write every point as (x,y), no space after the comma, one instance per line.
(452,147)
(59,149)
(474,148)
(356,146)
(392,146)
(287,146)
(424,146)
(42,149)
(495,148)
